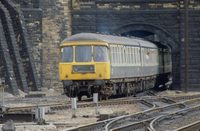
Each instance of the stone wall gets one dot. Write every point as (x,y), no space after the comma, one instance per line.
(33,19)
(19,66)
(193,45)
(50,21)
(56,25)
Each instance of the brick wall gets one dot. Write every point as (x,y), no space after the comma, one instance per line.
(56,25)
(33,19)
(50,21)
(17,60)
(193,45)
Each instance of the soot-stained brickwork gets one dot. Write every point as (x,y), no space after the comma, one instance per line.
(13,49)
(48,22)
(6,68)
(20,72)
(56,26)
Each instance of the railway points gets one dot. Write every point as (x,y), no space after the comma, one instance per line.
(147,106)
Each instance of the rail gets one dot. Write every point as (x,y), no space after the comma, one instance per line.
(178,114)
(100,125)
(195,126)
(153,111)
(156,112)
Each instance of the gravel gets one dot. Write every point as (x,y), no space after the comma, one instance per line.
(83,115)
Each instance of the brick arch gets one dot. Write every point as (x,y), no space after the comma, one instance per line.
(165,38)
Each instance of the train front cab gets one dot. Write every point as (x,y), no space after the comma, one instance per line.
(84,67)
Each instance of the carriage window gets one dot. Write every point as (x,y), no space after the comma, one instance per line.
(129,53)
(147,56)
(142,58)
(135,55)
(152,54)
(113,55)
(119,53)
(100,53)
(122,55)
(138,56)
(83,54)
(66,54)
(127,50)
(116,60)
(136,50)
(132,56)
(125,59)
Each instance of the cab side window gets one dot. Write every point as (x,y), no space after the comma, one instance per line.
(100,54)
(66,54)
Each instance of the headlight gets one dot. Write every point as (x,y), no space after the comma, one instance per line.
(99,82)
(67,82)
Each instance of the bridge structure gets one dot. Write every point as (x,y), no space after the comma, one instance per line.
(48,22)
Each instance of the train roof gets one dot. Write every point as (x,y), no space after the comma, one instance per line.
(110,39)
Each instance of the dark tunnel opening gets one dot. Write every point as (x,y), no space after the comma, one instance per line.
(141,34)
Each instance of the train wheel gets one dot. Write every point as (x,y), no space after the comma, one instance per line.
(79,97)
(88,96)
(127,92)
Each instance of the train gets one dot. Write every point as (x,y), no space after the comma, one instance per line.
(111,65)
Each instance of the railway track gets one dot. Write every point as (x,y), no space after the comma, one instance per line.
(141,118)
(155,106)
(82,104)
(183,97)
(55,107)
(166,122)
(195,126)
(160,101)
(67,105)
(136,121)
(133,122)
(100,125)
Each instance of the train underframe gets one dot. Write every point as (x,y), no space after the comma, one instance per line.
(107,88)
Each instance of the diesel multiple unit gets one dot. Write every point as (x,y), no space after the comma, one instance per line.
(110,65)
